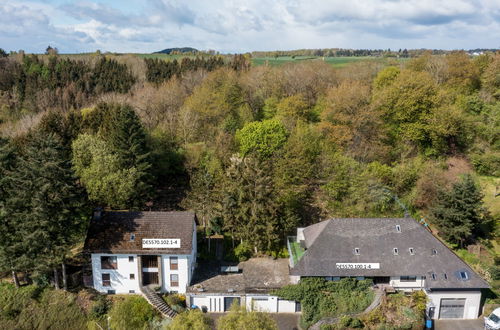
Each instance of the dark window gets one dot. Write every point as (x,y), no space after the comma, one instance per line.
(398,228)
(174,263)
(174,280)
(111,291)
(132,237)
(356,251)
(106,279)
(464,276)
(131,291)
(434,252)
(445,276)
(132,276)
(412,251)
(131,259)
(408,278)
(433,276)
(108,263)
(395,251)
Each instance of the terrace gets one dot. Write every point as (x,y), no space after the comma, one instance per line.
(295,250)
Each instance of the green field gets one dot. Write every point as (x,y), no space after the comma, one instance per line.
(334,61)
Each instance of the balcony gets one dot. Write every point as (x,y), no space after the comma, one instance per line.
(295,250)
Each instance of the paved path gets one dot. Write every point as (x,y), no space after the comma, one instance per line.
(477,324)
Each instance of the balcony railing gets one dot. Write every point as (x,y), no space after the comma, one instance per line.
(295,250)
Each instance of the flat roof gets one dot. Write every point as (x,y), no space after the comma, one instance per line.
(257,275)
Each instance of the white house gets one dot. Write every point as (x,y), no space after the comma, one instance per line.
(250,283)
(397,253)
(134,249)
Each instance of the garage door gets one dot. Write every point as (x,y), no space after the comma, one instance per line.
(228,301)
(452,308)
(260,304)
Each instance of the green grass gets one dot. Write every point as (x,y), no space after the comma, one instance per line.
(297,251)
(338,62)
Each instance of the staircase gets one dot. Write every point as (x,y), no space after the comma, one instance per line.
(157,302)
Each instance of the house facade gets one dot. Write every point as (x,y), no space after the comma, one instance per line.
(130,250)
(397,253)
(250,284)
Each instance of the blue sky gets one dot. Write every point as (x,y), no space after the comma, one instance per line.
(240,26)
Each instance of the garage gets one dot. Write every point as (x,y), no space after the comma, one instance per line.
(452,308)
(260,304)
(228,301)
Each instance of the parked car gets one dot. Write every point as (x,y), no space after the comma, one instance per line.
(492,322)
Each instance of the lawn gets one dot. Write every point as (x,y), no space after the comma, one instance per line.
(337,62)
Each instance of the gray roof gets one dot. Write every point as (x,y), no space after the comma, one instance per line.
(111,233)
(258,275)
(335,240)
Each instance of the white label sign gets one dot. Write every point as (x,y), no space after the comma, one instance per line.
(161,243)
(357,265)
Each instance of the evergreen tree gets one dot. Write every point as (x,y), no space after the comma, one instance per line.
(128,139)
(459,213)
(48,207)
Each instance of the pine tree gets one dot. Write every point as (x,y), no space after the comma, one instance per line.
(128,139)
(48,207)
(459,213)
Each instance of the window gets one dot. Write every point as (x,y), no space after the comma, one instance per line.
(108,263)
(434,252)
(132,237)
(412,251)
(111,291)
(445,276)
(464,276)
(131,259)
(433,276)
(132,276)
(106,279)
(356,251)
(395,251)
(174,263)
(408,278)
(398,228)
(174,280)
(131,291)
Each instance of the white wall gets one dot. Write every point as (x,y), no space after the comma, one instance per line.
(472,301)
(184,266)
(272,305)
(120,277)
(214,304)
(396,283)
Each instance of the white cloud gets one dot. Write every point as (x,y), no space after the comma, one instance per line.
(234,26)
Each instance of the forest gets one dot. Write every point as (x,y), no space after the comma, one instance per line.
(255,150)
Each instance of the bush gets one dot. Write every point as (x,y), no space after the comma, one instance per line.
(100,307)
(193,319)
(131,313)
(243,251)
(487,164)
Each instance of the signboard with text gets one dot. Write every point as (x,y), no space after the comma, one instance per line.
(357,265)
(161,243)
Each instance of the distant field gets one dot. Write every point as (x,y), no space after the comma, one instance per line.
(334,61)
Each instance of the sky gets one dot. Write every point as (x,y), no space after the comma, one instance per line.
(231,26)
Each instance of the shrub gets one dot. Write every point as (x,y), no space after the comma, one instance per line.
(487,164)
(243,251)
(100,307)
(176,299)
(193,319)
(132,313)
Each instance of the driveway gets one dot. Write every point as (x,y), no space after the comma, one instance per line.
(477,324)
